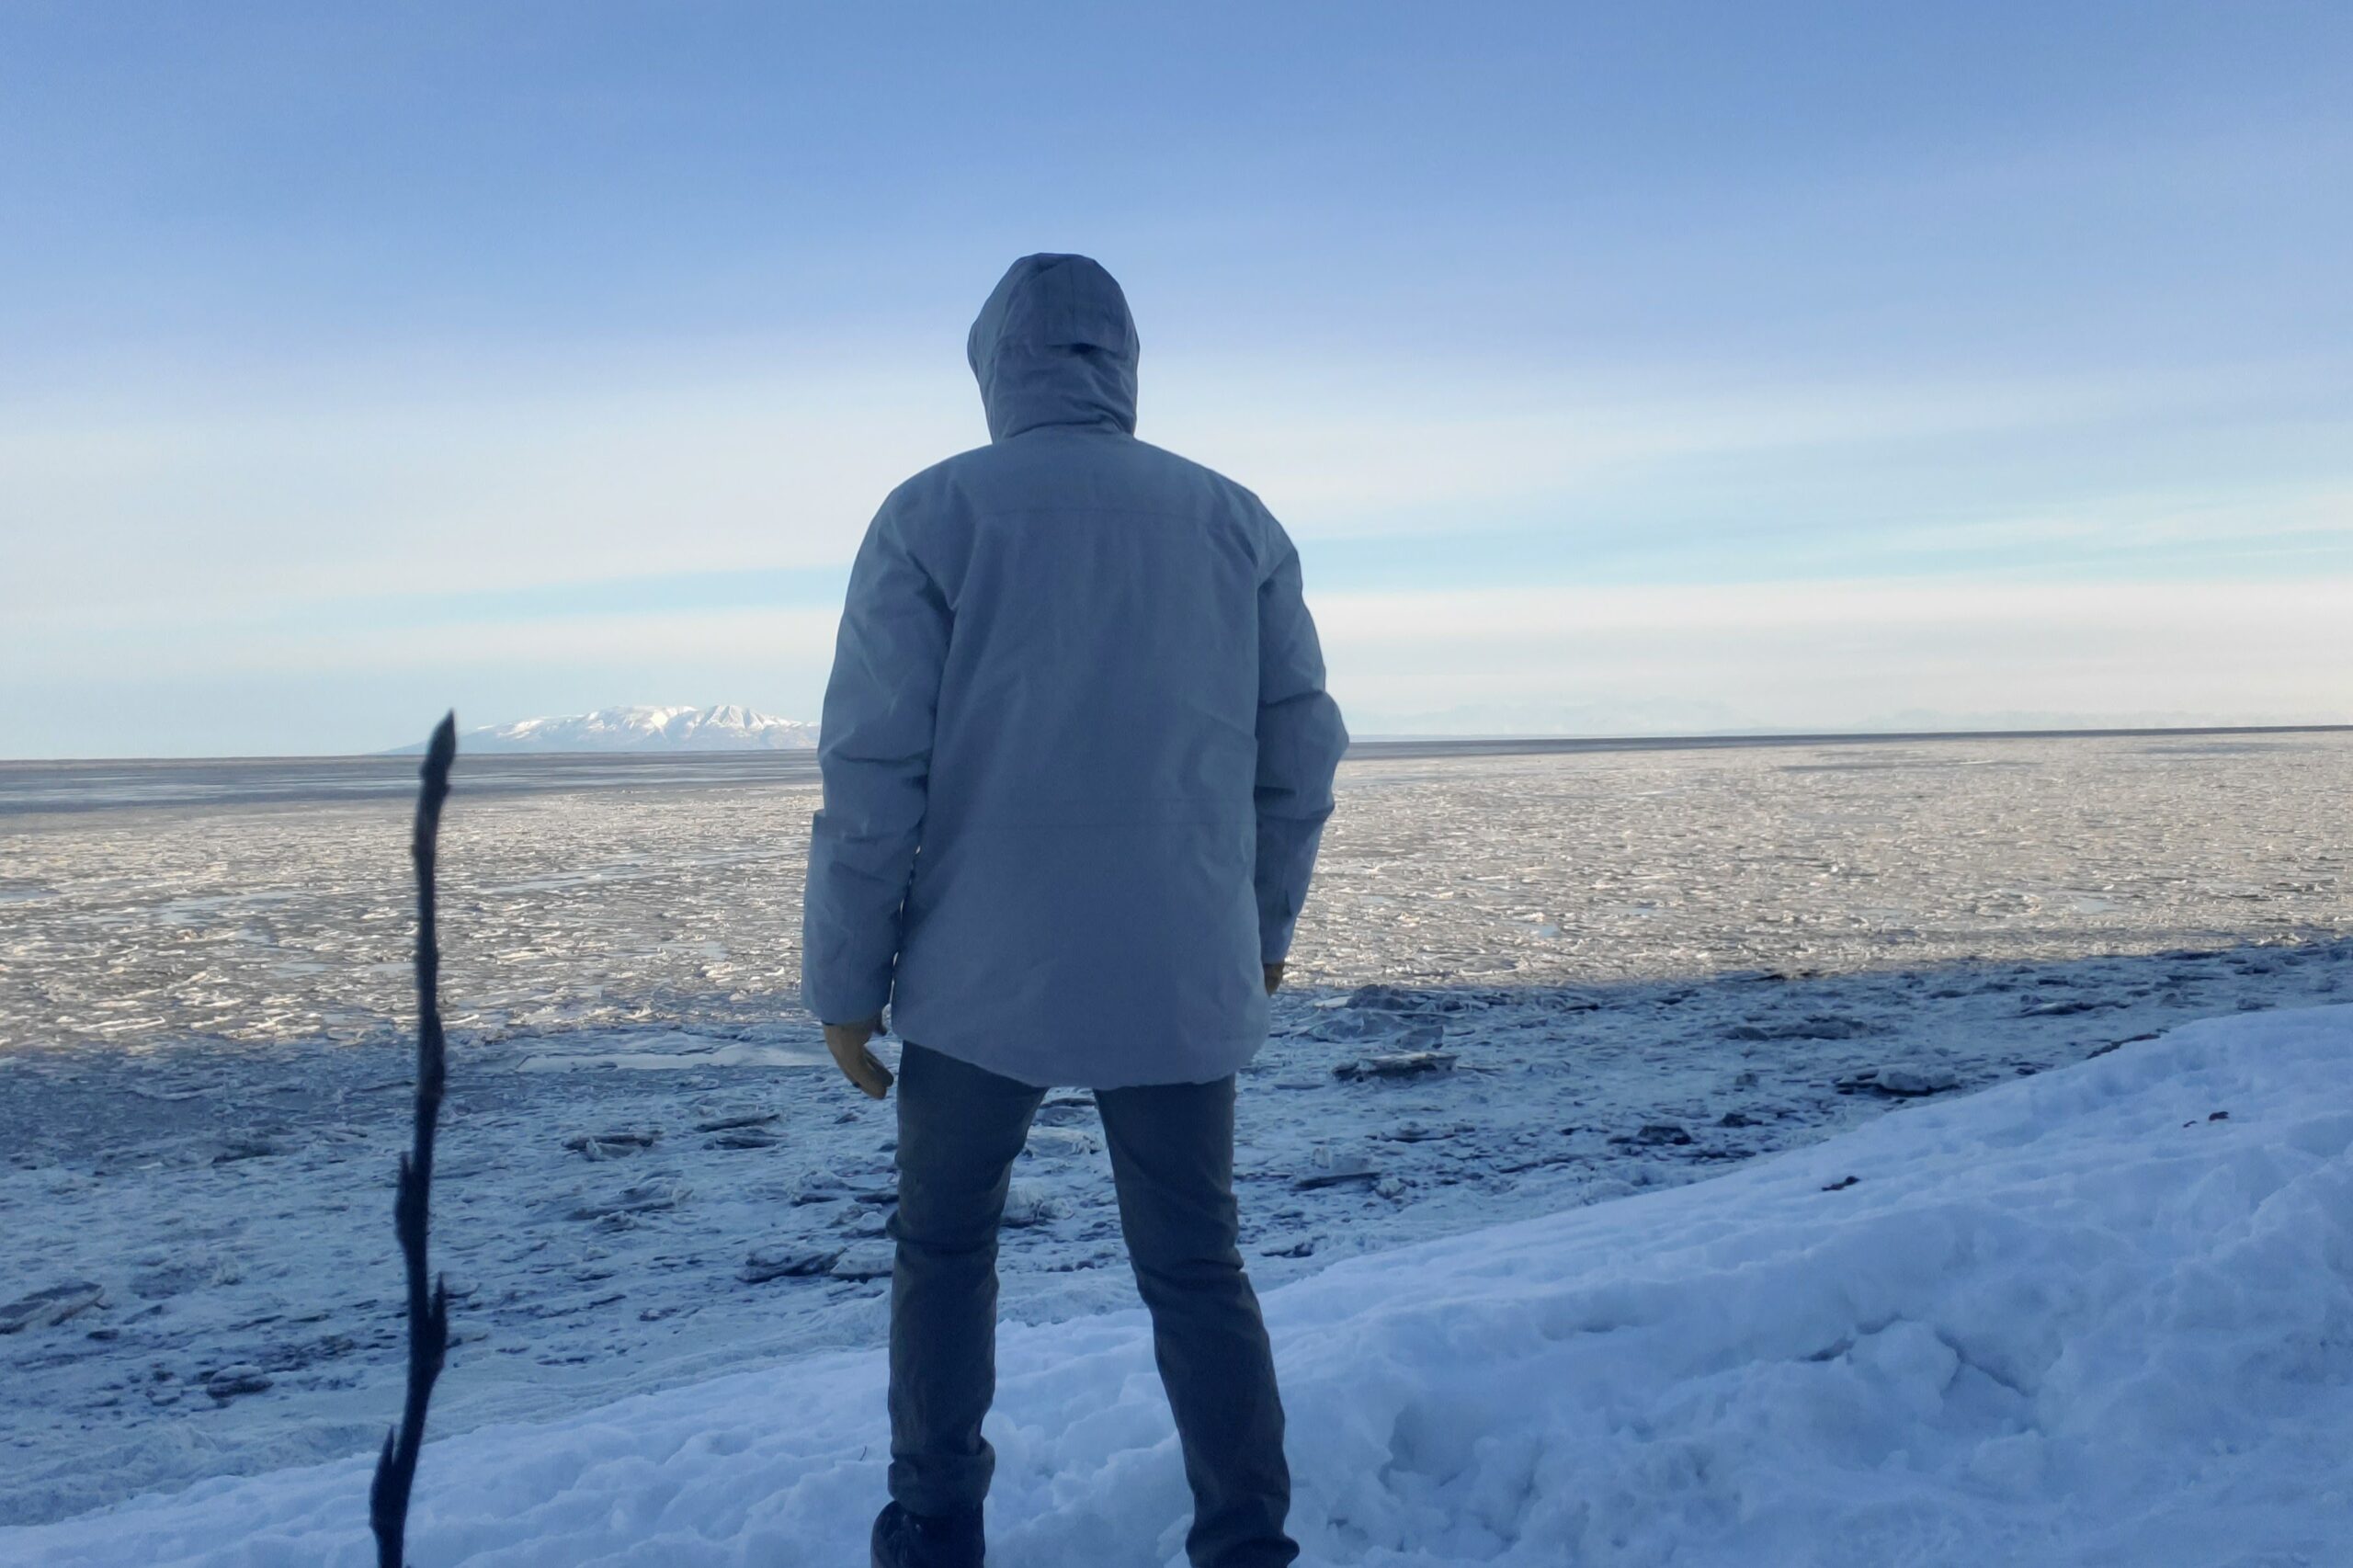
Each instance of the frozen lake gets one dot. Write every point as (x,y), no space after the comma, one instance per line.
(1641,967)
(271,904)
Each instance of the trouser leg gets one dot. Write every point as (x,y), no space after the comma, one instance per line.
(1172,1158)
(959,1129)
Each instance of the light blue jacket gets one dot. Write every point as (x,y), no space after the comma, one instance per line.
(1077,751)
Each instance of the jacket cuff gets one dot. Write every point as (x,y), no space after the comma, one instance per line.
(834,1005)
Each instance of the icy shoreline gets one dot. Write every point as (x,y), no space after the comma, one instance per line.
(231,1201)
(2099,1317)
(1648,967)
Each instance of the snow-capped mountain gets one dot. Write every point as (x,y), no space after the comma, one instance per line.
(729,727)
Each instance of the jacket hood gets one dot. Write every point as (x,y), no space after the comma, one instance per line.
(1055,346)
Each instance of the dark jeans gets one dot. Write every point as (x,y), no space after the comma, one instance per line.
(1172,1162)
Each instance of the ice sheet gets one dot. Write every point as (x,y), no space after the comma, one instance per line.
(680,905)
(1647,967)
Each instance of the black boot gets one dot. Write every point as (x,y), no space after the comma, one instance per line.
(920,1541)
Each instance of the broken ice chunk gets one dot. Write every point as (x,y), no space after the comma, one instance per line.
(1915,1078)
(615,1143)
(1653,1135)
(1331,1170)
(230,1381)
(729,1120)
(1029,1204)
(53,1305)
(867,1260)
(786,1261)
(644,1198)
(1396,1064)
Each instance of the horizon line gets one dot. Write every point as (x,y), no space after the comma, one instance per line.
(1502,743)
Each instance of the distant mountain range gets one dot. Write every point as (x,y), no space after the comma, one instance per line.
(732,727)
(729,727)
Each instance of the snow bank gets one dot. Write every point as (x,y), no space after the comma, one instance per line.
(2100,1316)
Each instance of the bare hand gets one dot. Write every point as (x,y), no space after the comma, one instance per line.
(1274,977)
(848,1043)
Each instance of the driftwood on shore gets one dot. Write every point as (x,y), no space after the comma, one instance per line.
(428,1312)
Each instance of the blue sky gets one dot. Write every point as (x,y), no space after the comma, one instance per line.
(1658,367)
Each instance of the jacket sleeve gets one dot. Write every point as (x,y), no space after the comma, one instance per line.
(874,754)
(1300,742)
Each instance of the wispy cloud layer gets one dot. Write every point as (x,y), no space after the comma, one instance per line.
(1549,551)
(1831,655)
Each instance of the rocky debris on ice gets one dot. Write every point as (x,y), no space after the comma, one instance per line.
(51,1306)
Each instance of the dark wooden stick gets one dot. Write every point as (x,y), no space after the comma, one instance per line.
(428,1313)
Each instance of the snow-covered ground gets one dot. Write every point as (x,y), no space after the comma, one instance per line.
(232,1201)
(2103,1315)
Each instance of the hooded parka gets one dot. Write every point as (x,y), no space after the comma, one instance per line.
(1077,750)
